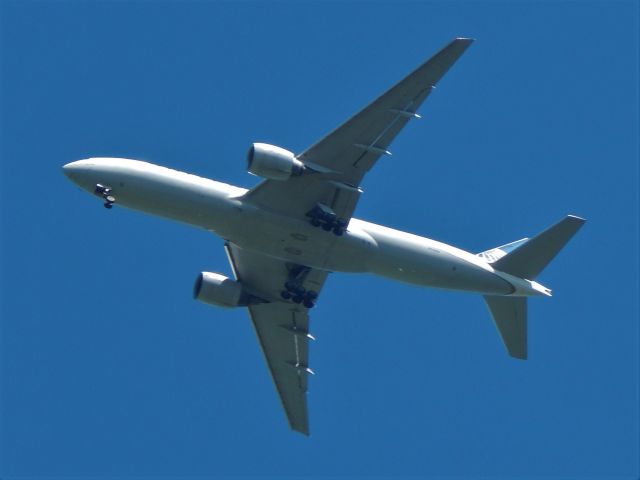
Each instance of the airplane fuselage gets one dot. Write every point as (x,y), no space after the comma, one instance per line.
(365,247)
(283,236)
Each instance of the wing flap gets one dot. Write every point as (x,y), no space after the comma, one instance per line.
(282,327)
(286,354)
(349,151)
(298,195)
(378,124)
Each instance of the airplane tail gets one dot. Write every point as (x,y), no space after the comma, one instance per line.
(530,257)
(510,316)
(525,258)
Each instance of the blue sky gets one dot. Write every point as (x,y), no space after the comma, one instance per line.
(109,368)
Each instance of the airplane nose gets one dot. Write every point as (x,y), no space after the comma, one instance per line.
(81,173)
(78,167)
(68,169)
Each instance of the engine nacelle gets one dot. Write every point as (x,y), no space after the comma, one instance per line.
(275,163)
(216,289)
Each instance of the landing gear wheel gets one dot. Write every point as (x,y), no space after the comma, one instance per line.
(338,231)
(308,303)
(298,299)
(108,205)
(285,294)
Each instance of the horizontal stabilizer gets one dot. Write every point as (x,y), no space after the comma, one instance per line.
(530,258)
(510,316)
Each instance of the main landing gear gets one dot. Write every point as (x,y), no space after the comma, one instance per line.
(294,291)
(105,193)
(323,216)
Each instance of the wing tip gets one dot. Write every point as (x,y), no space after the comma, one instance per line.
(576,218)
(302,429)
(464,40)
(519,354)
(459,45)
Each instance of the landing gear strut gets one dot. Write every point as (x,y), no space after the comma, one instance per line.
(294,291)
(105,193)
(323,216)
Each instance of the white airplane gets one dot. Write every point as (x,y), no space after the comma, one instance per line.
(285,236)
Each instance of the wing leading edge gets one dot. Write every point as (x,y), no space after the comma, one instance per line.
(282,331)
(349,151)
(343,157)
(282,327)
(355,146)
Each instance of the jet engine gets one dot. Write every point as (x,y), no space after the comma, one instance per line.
(275,163)
(216,289)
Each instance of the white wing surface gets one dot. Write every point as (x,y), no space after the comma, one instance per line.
(347,153)
(340,161)
(282,327)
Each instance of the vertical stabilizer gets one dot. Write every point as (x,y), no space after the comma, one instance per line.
(510,317)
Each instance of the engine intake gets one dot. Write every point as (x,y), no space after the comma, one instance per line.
(275,163)
(216,289)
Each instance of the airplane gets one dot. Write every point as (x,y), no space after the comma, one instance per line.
(284,236)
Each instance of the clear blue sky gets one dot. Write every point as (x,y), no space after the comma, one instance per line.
(109,368)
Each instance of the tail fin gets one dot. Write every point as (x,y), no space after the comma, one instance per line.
(531,257)
(495,254)
(510,316)
(524,259)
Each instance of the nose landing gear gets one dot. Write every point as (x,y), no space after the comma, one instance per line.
(105,193)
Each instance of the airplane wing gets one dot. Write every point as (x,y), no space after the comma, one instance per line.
(340,161)
(282,327)
(347,153)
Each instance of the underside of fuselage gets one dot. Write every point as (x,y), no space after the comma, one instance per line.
(223,210)
(286,234)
